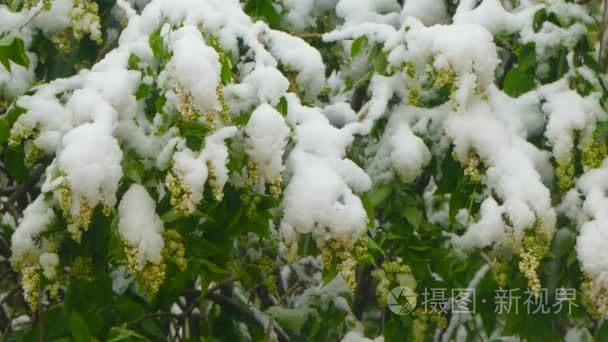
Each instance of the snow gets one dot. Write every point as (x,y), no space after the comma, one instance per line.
(196,66)
(568,112)
(363,11)
(90,157)
(192,168)
(592,235)
(24,24)
(300,57)
(92,121)
(429,12)
(302,14)
(263,85)
(488,230)
(36,219)
(140,226)
(267,135)
(357,336)
(491,15)
(46,114)
(49,263)
(319,197)
(400,151)
(467,49)
(511,169)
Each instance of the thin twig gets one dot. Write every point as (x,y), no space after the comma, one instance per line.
(32,17)
(21,190)
(289,291)
(154,315)
(310,35)
(8,327)
(10,293)
(213,288)
(222,283)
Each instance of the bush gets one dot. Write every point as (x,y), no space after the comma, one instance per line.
(314,170)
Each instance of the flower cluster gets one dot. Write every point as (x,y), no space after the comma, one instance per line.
(337,256)
(150,276)
(595,152)
(84,20)
(393,273)
(174,250)
(534,247)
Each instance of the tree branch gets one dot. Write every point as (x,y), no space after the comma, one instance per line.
(21,190)
(246,314)
(310,35)
(154,315)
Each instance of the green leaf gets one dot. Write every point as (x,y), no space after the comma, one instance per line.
(143,91)
(4,131)
(156,43)
(369,209)
(14,52)
(263,9)
(291,319)
(213,268)
(329,273)
(134,170)
(197,128)
(160,103)
(358,43)
(563,242)
(592,63)
(541,16)
(372,246)
(458,200)
(13,113)
(122,334)
(80,330)
(379,195)
(14,157)
(413,216)
(518,82)
(134,62)
(364,79)
(526,56)
(282,107)
(226,72)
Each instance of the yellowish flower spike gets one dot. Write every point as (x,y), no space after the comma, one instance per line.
(225,113)
(534,247)
(84,20)
(336,255)
(499,271)
(595,298)
(30,281)
(445,76)
(472,168)
(150,277)
(216,190)
(565,174)
(186,106)
(595,152)
(181,198)
(174,249)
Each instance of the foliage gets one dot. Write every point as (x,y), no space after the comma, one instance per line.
(271,169)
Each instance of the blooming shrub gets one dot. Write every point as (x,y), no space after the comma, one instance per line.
(272,169)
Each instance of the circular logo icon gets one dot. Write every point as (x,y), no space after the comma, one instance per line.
(401,300)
